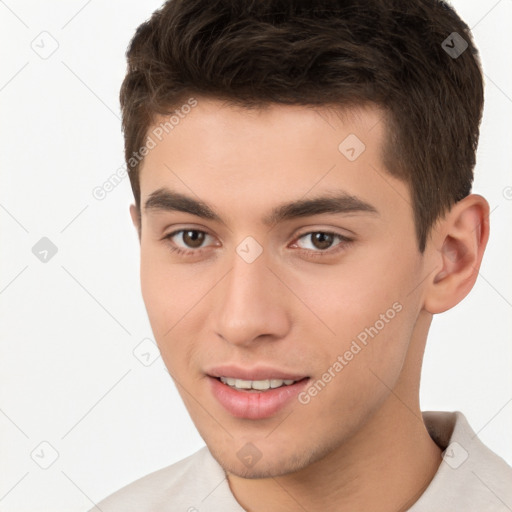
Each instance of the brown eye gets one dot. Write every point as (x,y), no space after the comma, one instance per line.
(322,240)
(193,238)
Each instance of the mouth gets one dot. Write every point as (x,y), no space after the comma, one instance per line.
(260,397)
(257,385)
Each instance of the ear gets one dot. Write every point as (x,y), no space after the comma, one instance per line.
(135,215)
(457,247)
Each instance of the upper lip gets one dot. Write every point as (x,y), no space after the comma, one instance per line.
(256,373)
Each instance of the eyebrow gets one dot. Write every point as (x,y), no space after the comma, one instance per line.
(165,199)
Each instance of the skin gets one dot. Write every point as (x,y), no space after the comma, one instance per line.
(360,443)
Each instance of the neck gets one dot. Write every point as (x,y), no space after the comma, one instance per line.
(385,467)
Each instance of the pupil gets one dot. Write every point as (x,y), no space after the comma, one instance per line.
(322,240)
(193,238)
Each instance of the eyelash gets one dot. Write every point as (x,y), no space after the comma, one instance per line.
(344,242)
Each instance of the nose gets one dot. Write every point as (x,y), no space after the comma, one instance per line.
(251,304)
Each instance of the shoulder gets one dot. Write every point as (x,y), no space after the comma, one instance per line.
(181,485)
(471,477)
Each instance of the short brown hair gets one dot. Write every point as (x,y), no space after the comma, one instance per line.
(402,55)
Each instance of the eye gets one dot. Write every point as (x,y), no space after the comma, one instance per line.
(322,241)
(185,241)
(189,242)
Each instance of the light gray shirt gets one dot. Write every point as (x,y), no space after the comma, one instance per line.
(471,478)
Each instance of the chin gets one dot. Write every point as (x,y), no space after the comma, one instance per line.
(270,469)
(274,461)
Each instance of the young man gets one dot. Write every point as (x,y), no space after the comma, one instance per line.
(302,179)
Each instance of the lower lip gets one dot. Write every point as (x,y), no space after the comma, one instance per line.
(255,405)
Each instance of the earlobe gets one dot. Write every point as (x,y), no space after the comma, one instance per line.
(460,241)
(136,220)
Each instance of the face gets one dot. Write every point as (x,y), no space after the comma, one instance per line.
(278,254)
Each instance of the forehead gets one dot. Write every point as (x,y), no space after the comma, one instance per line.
(216,120)
(250,159)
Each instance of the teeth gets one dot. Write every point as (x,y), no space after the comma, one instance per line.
(242,384)
(260,385)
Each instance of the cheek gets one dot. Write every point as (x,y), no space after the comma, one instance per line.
(159,298)
(351,301)
(173,296)
(357,368)
(367,308)
(168,290)
(168,295)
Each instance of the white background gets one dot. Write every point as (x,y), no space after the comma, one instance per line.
(69,327)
